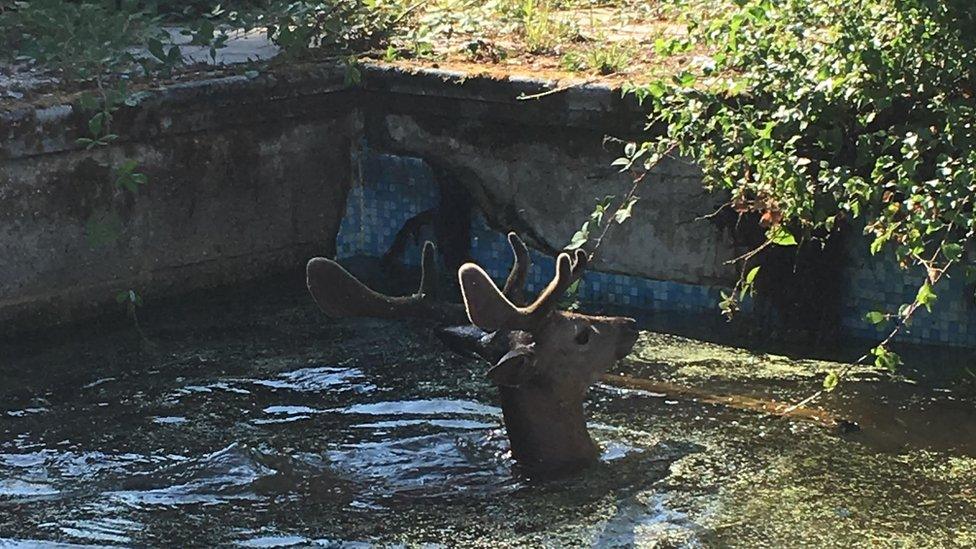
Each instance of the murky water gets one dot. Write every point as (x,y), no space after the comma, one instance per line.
(246,418)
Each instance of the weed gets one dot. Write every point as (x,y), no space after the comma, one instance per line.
(484,51)
(540,26)
(82,39)
(604,59)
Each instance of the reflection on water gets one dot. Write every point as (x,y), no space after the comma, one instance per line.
(320,379)
(220,477)
(275,428)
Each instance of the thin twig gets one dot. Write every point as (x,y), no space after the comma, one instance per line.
(555,90)
(609,223)
(630,195)
(407,12)
(749,255)
(713,214)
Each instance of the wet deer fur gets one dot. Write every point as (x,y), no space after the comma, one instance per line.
(544,358)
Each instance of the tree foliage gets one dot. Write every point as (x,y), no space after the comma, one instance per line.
(820,113)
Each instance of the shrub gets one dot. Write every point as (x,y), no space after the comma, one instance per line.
(80,38)
(817,113)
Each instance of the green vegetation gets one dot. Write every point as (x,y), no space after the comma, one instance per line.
(87,38)
(603,59)
(820,114)
(82,39)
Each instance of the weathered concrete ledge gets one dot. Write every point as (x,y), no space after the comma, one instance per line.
(246,177)
(249,176)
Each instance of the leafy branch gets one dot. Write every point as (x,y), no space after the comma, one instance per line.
(602,223)
(821,114)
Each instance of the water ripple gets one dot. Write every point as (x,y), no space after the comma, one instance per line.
(323,378)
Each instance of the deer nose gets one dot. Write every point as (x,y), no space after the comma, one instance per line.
(628,337)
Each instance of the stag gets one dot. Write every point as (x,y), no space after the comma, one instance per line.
(544,358)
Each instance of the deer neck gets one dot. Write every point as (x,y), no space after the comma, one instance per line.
(547,433)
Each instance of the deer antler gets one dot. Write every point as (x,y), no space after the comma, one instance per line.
(339,294)
(515,283)
(490,309)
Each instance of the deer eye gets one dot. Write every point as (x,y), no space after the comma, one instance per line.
(583,337)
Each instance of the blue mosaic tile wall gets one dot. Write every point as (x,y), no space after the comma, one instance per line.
(490,249)
(877,284)
(394,189)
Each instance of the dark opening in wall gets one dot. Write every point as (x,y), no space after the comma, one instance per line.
(799,290)
(449,222)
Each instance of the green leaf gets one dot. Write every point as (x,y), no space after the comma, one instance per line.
(155,47)
(95,124)
(875,317)
(926,296)
(878,243)
(130,297)
(778,235)
(578,240)
(952,251)
(625,211)
(88,102)
(624,163)
(657,88)
(127,167)
(831,380)
(751,275)
(664,47)
(728,305)
(886,359)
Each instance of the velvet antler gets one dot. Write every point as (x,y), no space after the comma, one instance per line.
(340,294)
(491,309)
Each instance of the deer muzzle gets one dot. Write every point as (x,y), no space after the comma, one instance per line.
(628,337)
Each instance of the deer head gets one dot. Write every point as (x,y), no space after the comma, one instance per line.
(554,357)
(544,368)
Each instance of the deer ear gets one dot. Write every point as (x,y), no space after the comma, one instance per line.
(487,308)
(513,368)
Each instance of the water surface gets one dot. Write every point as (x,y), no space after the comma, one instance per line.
(243,417)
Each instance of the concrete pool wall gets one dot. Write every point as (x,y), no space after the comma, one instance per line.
(250,175)
(246,177)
